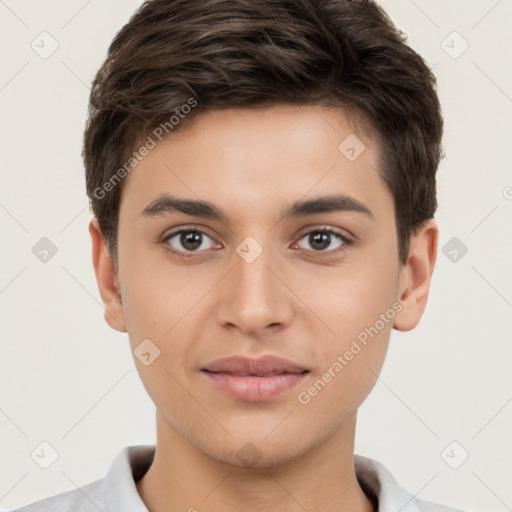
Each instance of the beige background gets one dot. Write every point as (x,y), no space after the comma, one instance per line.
(69,380)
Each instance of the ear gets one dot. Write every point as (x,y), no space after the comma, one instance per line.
(106,278)
(415,276)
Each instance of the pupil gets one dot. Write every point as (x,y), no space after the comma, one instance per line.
(320,240)
(191,240)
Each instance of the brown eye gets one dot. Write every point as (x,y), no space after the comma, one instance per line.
(187,241)
(191,240)
(320,240)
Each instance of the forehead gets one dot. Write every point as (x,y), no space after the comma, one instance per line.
(256,158)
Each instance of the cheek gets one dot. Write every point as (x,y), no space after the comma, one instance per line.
(353,299)
(156,296)
(356,304)
(351,359)
(163,305)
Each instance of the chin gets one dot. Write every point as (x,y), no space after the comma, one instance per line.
(257,452)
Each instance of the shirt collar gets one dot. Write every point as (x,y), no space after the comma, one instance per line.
(128,467)
(133,461)
(376,480)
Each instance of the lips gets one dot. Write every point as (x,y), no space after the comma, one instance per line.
(254,380)
(264,365)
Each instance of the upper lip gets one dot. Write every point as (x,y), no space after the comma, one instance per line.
(264,365)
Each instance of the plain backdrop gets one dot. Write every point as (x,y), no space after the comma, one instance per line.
(69,380)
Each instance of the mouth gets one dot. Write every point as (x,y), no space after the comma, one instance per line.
(254,380)
(243,374)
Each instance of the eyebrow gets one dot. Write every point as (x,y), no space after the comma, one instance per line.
(325,204)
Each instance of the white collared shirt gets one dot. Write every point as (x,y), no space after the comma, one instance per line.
(116,492)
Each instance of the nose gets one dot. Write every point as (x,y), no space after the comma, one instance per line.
(254,297)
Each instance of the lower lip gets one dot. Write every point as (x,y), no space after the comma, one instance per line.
(252,388)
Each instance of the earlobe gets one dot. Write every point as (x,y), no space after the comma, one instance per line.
(106,278)
(415,277)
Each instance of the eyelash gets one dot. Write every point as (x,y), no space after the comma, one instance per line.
(346,241)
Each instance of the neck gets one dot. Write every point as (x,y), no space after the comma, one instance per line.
(183,478)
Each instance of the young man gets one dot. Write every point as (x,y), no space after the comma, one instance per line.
(262,177)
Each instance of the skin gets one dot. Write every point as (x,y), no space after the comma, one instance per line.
(296,300)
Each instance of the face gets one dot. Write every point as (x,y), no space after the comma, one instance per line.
(248,275)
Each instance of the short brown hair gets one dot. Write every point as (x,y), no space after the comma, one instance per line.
(249,53)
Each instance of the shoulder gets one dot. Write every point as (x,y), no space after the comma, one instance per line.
(428,506)
(376,480)
(89,498)
(116,491)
